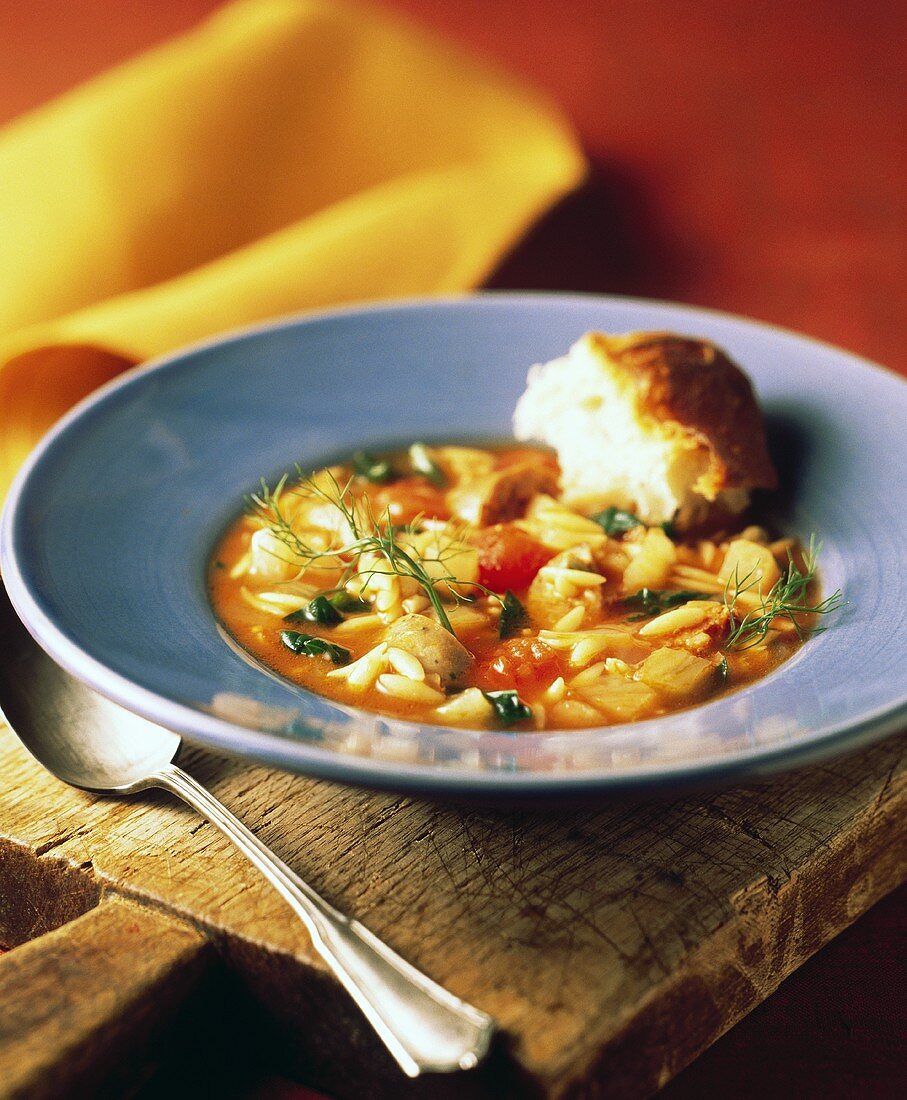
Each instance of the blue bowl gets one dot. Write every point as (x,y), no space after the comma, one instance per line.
(107,532)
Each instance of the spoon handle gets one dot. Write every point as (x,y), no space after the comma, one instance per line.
(423,1026)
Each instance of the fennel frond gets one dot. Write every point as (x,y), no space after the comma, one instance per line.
(368,535)
(787,598)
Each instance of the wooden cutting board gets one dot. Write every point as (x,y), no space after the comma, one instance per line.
(612,942)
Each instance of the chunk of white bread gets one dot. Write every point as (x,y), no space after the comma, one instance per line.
(664,426)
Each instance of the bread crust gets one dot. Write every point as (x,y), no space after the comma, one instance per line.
(690,388)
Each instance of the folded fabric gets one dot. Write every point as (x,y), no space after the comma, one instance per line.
(286,155)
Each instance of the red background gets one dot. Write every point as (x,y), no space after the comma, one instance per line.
(746,155)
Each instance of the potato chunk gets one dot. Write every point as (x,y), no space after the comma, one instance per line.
(272,559)
(677,674)
(750,565)
(652,563)
(437,650)
(618,697)
(442,554)
(552,594)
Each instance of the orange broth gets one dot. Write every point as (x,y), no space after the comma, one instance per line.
(542,663)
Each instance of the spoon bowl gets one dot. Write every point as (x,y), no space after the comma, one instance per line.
(78,735)
(94,744)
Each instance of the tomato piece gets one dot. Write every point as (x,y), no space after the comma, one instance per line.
(408,499)
(508,557)
(519,663)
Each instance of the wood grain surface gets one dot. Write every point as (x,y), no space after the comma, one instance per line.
(612,943)
(745,155)
(86,1003)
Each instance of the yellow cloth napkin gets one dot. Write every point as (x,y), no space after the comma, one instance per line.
(286,155)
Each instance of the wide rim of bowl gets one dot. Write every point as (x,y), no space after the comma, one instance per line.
(279,751)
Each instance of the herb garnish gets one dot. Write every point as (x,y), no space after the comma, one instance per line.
(513,616)
(653,601)
(787,597)
(368,536)
(309,646)
(615,521)
(378,470)
(509,708)
(424,464)
(320,610)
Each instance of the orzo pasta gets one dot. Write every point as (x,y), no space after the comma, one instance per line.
(453,585)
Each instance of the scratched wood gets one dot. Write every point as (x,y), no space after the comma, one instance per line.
(612,942)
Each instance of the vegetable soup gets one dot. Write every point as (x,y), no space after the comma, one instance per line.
(451,585)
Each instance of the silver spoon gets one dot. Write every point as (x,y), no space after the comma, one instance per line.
(92,743)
